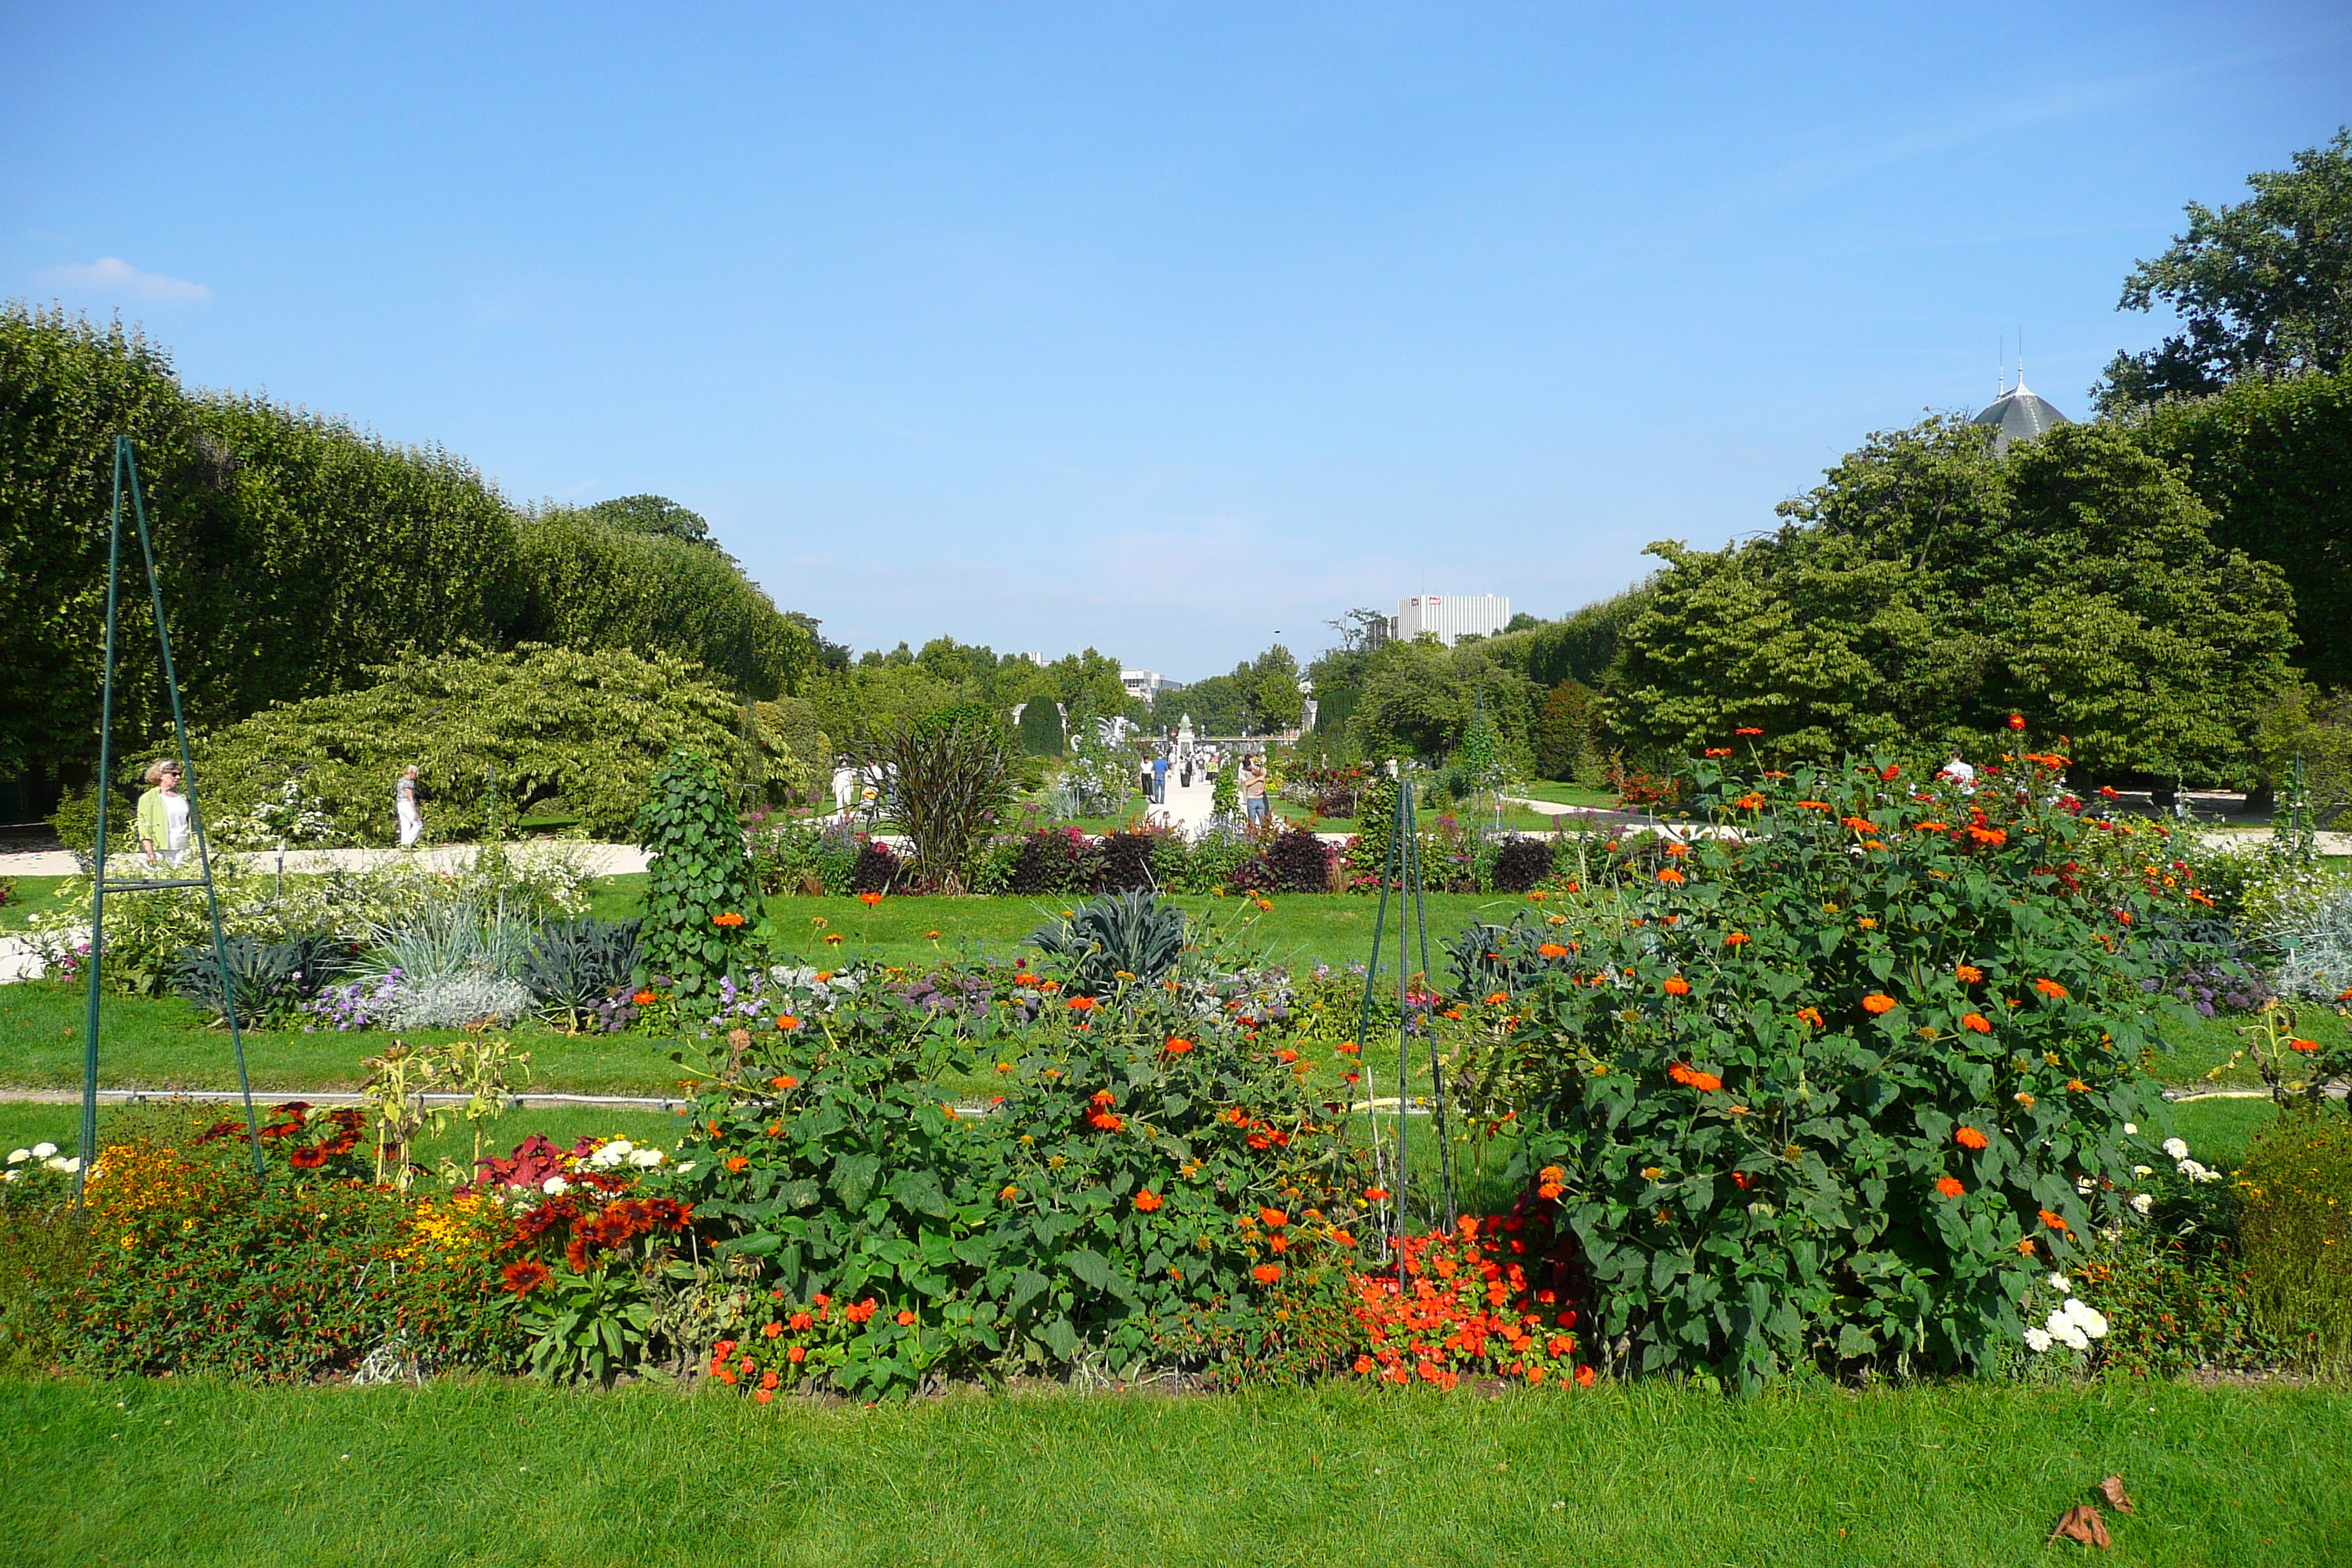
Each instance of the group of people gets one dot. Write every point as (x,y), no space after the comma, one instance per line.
(163,823)
(1152,777)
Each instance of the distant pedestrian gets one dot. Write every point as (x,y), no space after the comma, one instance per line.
(1160,779)
(1959,771)
(163,819)
(404,805)
(1254,790)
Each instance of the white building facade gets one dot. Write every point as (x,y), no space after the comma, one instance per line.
(1451,617)
(1147,683)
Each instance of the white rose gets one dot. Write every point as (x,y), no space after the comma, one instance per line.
(2143,1202)
(2060,1284)
(43,1150)
(555,1186)
(2036,1341)
(2176,1149)
(2087,1319)
(2131,1128)
(2066,1331)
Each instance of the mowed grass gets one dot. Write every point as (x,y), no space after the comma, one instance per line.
(33,894)
(496,1472)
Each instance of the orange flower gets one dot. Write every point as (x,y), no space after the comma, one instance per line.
(1811,1016)
(906,1319)
(2016,721)
(1878,1002)
(930,936)
(784,1082)
(642,998)
(1499,998)
(786,1021)
(1736,939)
(736,1162)
(1273,1219)
(1969,1138)
(2303,1044)
(833,939)
(2056,1222)
(1584,1376)
(1676,985)
(1377,1195)
(1148,1201)
(1705,1082)
(1968,973)
(1976,1021)
(1859,824)
(2050,988)
(1816,804)
(1081,1003)
(1751,801)
(1668,874)
(1266,1273)
(797,1355)
(1176,1047)
(1748,729)
(1932,827)
(1551,950)
(2025,1246)
(728,921)
(1949,1186)
(1718,750)
(869,899)
(2077,1086)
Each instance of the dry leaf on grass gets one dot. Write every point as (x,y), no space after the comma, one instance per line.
(2112,1489)
(2082,1523)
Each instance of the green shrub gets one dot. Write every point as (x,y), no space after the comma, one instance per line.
(2297,1182)
(1145,1188)
(516,731)
(812,858)
(1830,1093)
(699,892)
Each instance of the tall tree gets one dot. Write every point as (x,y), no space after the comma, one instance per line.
(2263,288)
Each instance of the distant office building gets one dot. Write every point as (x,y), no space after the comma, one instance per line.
(1147,684)
(1451,616)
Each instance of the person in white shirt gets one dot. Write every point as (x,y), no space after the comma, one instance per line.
(1959,771)
(404,803)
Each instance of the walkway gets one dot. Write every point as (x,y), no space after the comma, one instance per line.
(604,859)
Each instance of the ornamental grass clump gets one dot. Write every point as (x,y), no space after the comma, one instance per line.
(1829,1085)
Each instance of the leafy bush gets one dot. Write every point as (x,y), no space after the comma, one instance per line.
(698,878)
(589,731)
(1298,861)
(1147,1172)
(1832,1092)
(1124,862)
(811,858)
(1119,939)
(75,821)
(2297,1182)
(876,869)
(1048,862)
(1522,864)
(951,773)
(272,980)
(579,965)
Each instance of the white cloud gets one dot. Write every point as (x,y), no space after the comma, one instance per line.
(112,275)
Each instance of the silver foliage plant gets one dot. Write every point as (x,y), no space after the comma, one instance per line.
(457,1000)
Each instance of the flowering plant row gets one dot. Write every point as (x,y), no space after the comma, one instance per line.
(1830,1083)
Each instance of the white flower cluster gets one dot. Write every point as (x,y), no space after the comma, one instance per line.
(43,1155)
(2179,1153)
(2073,1325)
(611,1156)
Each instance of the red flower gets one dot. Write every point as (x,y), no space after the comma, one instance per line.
(2303,1044)
(309,1159)
(524,1278)
(1748,729)
(2016,721)
(1584,1377)
(1176,1047)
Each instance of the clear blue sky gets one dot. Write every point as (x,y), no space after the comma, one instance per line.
(1155,327)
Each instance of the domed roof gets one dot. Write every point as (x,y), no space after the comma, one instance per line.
(2019,416)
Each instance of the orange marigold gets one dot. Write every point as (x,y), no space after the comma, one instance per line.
(1949,1186)
(1148,1201)
(1968,973)
(1735,939)
(1878,1002)
(1676,985)
(1976,1021)
(1969,1138)
(1552,950)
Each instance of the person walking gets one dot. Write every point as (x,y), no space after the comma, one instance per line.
(1160,779)
(162,817)
(404,805)
(1254,790)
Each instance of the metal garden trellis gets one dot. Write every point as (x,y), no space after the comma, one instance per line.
(1401,869)
(126,475)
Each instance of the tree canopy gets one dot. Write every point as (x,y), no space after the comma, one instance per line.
(2263,288)
(1928,588)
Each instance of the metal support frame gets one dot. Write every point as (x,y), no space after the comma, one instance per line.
(1401,869)
(126,475)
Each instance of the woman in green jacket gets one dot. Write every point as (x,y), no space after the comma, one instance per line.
(164,815)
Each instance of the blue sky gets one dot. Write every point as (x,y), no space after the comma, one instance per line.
(1159,329)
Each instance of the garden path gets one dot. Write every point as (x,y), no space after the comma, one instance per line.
(602,859)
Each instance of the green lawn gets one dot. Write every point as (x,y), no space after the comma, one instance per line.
(1570,795)
(496,1472)
(34,893)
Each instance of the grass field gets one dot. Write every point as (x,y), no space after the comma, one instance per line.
(493,1472)
(1570,795)
(33,894)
